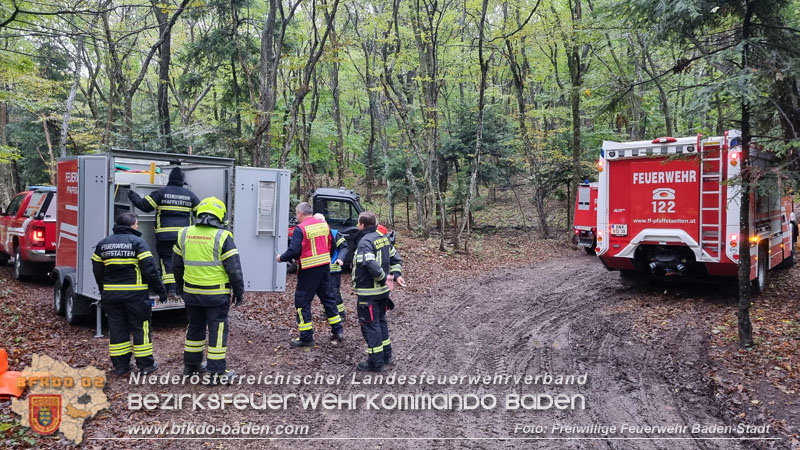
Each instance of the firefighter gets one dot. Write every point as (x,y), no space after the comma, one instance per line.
(339,255)
(123,268)
(312,246)
(376,264)
(173,204)
(207,269)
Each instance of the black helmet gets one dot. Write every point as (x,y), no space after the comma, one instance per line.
(176,177)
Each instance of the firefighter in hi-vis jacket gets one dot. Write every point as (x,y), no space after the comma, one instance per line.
(207,269)
(337,258)
(376,264)
(173,205)
(312,246)
(123,268)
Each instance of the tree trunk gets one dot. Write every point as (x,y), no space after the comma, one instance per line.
(70,99)
(745,326)
(165,55)
(336,110)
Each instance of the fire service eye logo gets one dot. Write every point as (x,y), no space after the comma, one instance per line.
(45,413)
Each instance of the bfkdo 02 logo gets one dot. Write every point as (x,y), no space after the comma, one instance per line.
(45,412)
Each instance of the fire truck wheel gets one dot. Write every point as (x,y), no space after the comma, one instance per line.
(760,283)
(58,299)
(70,300)
(21,269)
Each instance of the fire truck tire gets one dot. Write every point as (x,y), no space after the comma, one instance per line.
(21,268)
(58,298)
(760,283)
(70,306)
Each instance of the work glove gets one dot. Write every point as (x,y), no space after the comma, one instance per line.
(162,297)
(238,299)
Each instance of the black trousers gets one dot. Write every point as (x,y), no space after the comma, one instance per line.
(336,287)
(375,329)
(126,318)
(316,280)
(164,249)
(213,319)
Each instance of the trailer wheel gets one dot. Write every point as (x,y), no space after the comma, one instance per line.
(589,251)
(58,299)
(760,283)
(70,300)
(21,269)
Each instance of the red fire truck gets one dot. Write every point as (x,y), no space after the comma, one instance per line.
(671,207)
(586,217)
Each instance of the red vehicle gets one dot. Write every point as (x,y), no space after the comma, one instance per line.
(586,217)
(671,207)
(27,232)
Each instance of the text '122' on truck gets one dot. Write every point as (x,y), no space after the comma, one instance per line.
(670,207)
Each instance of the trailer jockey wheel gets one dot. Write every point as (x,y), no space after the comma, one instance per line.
(58,299)
(760,283)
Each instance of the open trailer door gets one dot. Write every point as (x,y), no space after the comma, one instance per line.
(261,225)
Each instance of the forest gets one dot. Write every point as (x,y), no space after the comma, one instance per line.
(430,105)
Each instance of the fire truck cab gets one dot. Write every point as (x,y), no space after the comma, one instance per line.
(586,217)
(671,207)
(93,191)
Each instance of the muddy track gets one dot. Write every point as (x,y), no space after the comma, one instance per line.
(556,317)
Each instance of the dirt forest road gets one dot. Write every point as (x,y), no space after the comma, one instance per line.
(562,316)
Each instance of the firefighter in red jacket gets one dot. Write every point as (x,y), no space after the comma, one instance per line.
(312,245)
(123,268)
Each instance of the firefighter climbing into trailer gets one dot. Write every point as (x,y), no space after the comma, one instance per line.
(173,205)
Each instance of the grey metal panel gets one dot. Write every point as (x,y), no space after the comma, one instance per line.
(175,158)
(94,211)
(257,249)
(209,182)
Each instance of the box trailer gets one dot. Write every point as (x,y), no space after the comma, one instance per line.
(585,225)
(671,207)
(93,190)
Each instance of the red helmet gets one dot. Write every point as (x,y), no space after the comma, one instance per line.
(382,229)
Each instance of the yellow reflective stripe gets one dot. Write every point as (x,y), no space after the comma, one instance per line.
(341,307)
(220,330)
(176,249)
(316,230)
(395,268)
(387,342)
(175,208)
(193,346)
(146,329)
(95,257)
(372,291)
(378,349)
(124,287)
(313,261)
(111,261)
(228,254)
(335,319)
(201,291)
(339,241)
(168,278)
(120,345)
(302,325)
(151,201)
(369,257)
(215,355)
(167,229)
(144,255)
(392,251)
(335,267)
